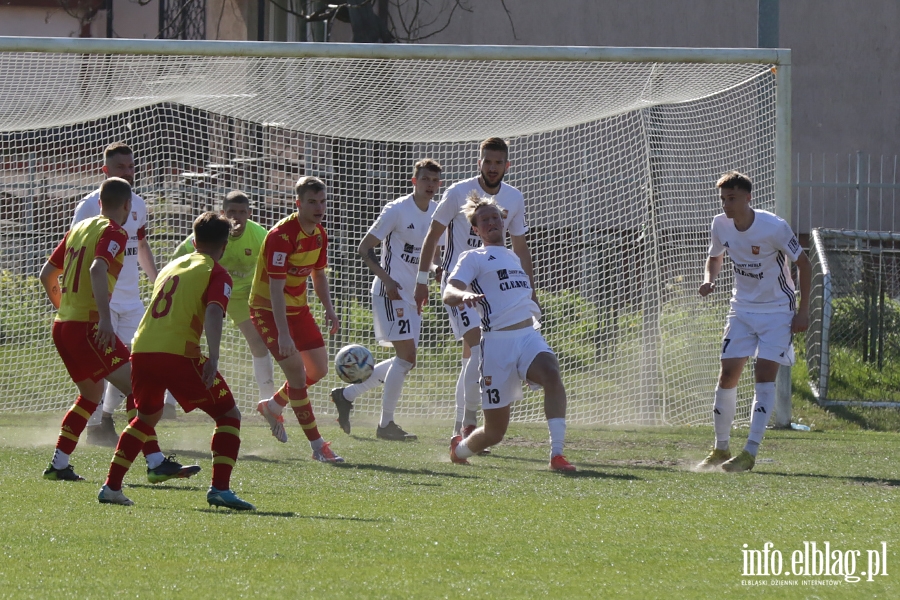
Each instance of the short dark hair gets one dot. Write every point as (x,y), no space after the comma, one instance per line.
(308,184)
(114,192)
(735,180)
(212,229)
(115,149)
(494,143)
(235,197)
(429,164)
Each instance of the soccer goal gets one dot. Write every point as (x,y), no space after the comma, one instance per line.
(616,150)
(853,342)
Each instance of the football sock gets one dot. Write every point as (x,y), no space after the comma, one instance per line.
(129,446)
(130,407)
(96,416)
(460,396)
(763,403)
(226,441)
(72,425)
(378,376)
(472,390)
(557,429)
(279,400)
(170,399)
(724,407)
(303,410)
(393,388)
(264,373)
(462,450)
(316,445)
(60,459)
(112,398)
(154,459)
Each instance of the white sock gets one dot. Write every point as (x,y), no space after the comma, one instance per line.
(462,451)
(393,388)
(460,395)
(155,459)
(316,445)
(379,374)
(96,416)
(274,408)
(60,459)
(763,403)
(264,373)
(724,407)
(557,428)
(112,399)
(170,399)
(472,390)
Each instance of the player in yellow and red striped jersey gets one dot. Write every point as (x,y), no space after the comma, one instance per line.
(190,296)
(295,250)
(89,258)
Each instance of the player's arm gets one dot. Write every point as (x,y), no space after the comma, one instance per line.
(455,294)
(429,248)
(106,335)
(50,280)
(713,266)
(146,260)
(286,346)
(215,316)
(520,248)
(804,272)
(366,250)
(323,291)
(186,247)
(436,262)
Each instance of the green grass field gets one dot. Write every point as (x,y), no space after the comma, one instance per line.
(401,521)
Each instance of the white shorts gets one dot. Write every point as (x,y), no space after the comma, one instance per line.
(505,359)
(763,335)
(125,320)
(395,320)
(462,319)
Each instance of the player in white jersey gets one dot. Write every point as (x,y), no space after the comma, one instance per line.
(125,305)
(448,217)
(763,315)
(512,350)
(400,230)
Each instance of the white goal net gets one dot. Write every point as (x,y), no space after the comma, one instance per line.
(616,151)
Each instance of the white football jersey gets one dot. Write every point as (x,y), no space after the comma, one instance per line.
(401,227)
(761,258)
(126,291)
(460,236)
(497,272)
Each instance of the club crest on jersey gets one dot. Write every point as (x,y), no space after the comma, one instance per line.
(755,249)
(400,313)
(502,274)
(248,251)
(409,248)
(487,380)
(319,241)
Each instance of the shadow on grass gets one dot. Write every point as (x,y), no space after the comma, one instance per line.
(401,471)
(849,479)
(206,455)
(284,515)
(180,488)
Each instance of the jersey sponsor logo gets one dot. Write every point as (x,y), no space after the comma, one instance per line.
(409,248)
(794,245)
(278,259)
(747,273)
(754,249)
(400,312)
(411,226)
(300,271)
(227,291)
(131,251)
(502,274)
(511,285)
(487,380)
(248,251)
(114,248)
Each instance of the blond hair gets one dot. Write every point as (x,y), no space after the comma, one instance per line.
(474,201)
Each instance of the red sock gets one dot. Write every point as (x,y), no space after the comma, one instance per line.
(130,407)
(74,423)
(226,441)
(281,396)
(304,411)
(129,446)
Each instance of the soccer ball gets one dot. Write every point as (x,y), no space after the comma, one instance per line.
(354,363)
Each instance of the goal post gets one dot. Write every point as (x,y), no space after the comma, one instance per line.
(616,150)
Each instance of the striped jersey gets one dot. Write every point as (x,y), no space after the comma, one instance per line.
(401,227)
(96,237)
(240,258)
(288,253)
(460,236)
(497,272)
(173,323)
(127,291)
(761,258)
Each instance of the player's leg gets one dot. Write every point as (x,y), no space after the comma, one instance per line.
(471,377)
(73,424)
(496,422)
(403,363)
(543,370)
(121,380)
(263,371)
(101,428)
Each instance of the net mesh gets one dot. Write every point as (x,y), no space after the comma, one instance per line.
(617,163)
(853,345)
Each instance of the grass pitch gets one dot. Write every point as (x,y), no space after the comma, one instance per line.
(400,521)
